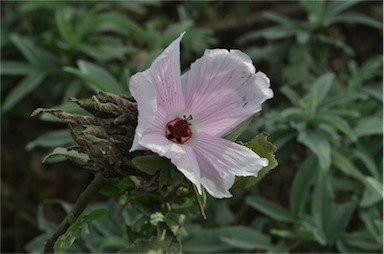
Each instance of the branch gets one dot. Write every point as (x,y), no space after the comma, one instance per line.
(81,203)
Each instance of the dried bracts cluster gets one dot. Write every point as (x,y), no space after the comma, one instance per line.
(104,136)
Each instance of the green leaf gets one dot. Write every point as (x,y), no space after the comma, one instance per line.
(204,241)
(341,216)
(173,31)
(64,26)
(318,144)
(363,154)
(16,68)
(225,239)
(224,216)
(94,214)
(373,192)
(303,180)
(375,185)
(357,18)
(37,244)
(265,149)
(151,164)
(318,91)
(27,49)
(51,139)
(270,209)
(293,97)
(346,166)
(312,227)
(81,158)
(97,77)
(174,221)
(373,221)
(336,7)
(369,126)
(336,122)
(244,238)
(124,22)
(164,242)
(68,238)
(358,242)
(23,88)
(322,202)
(104,77)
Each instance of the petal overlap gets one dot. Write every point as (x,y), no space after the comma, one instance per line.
(222,89)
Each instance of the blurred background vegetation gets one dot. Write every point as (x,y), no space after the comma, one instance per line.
(324,59)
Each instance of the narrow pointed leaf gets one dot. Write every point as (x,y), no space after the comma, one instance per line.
(28,84)
(270,209)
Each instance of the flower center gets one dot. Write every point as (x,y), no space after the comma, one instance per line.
(178,130)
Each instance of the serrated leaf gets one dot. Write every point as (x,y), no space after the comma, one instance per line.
(81,158)
(151,164)
(265,149)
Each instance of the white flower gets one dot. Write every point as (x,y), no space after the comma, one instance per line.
(184,118)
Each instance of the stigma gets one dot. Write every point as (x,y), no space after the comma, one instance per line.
(179,130)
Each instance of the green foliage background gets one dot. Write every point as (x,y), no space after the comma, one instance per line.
(324,59)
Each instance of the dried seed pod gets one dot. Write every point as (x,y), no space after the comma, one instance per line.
(106,135)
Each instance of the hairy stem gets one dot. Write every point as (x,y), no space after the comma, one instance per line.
(81,203)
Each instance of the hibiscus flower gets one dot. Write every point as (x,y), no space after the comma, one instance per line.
(184,118)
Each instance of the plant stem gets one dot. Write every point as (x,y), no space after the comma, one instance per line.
(81,203)
(199,204)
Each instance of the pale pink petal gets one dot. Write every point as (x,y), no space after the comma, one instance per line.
(164,74)
(158,87)
(182,156)
(216,182)
(145,95)
(222,90)
(220,160)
